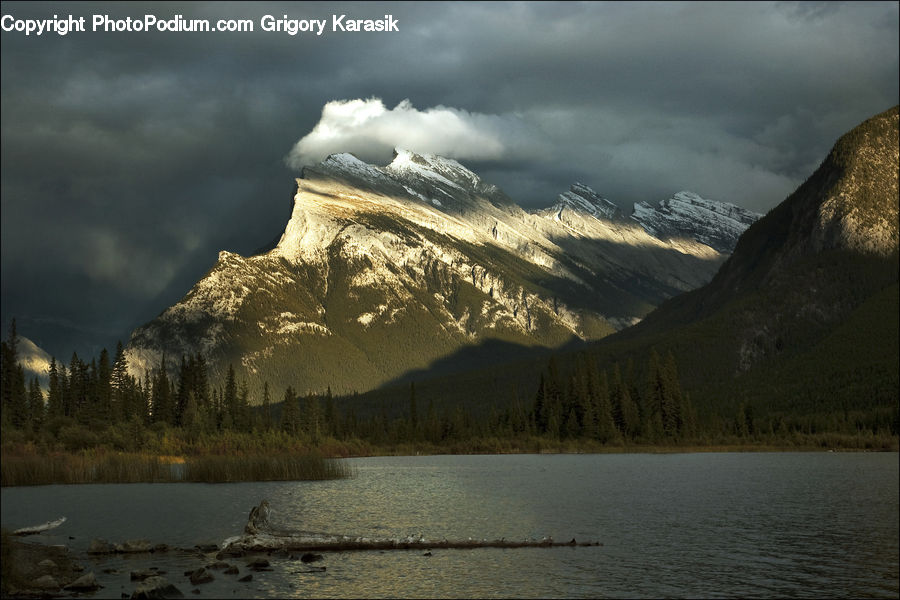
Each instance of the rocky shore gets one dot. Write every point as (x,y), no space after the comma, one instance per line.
(139,567)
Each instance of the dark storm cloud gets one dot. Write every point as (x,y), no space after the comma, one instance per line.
(129,160)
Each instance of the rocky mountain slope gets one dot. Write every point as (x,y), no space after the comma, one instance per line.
(716,224)
(385,270)
(804,314)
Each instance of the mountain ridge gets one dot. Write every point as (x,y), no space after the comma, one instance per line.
(383,270)
(807,265)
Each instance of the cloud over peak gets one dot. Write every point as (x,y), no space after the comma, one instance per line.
(371,131)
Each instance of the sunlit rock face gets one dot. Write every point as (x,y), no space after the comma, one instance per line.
(382,270)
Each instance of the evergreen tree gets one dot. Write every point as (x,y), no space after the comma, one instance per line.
(413,412)
(331,423)
(230,400)
(76,397)
(625,411)
(606,425)
(432,424)
(120,407)
(104,388)
(13,403)
(184,391)
(539,410)
(672,400)
(243,420)
(54,393)
(192,418)
(290,418)
(161,400)
(36,412)
(312,417)
(266,408)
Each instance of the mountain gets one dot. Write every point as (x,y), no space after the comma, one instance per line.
(716,224)
(803,316)
(582,198)
(35,360)
(383,271)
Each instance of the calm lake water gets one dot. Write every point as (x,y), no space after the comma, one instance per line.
(672,525)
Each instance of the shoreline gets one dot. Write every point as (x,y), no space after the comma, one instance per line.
(30,466)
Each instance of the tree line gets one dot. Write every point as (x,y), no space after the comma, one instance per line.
(617,405)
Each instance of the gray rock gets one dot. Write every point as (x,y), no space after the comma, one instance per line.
(143,574)
(156,587)
(100,546)
(247,577)
(232,571)
(201,575)
(218,565)
(230,553)
(134,546)
(45,582)
(47,564)
(258,563)
(86,583)
(309,557)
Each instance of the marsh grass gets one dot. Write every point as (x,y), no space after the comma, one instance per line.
(284,467)
(88,467)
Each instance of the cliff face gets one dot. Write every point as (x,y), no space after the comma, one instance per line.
(813,260)
(385,270)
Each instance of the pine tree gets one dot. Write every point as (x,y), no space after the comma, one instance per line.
(161,399)
(289,413)
(539,410)
(432,424)
(606,425)
(184,390)
(230,400)
(413,412)
(36,411)
(75,399)
(266,408)
(625,412)
(672,398)
(331,422)
(312,417)
(104,388)
(243,421)
(8,363)
(54,393)
(120,409)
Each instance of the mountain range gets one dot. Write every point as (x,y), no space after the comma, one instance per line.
(801,322)
(420,265)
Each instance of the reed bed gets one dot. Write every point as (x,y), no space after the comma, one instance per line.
(285,467)
(65,468)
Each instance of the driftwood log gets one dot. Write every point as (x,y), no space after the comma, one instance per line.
(260,536)
(34,529)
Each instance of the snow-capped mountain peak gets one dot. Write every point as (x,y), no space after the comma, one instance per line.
(408,165)
(581,197)
(346,164)
(688,215)
(424,253)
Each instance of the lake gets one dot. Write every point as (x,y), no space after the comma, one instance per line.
(671,525)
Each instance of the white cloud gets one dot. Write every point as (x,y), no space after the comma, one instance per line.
(371,131)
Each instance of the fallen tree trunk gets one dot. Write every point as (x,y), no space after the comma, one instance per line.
(39,528)
(260,536)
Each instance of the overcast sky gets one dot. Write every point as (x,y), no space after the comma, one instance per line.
(130,159)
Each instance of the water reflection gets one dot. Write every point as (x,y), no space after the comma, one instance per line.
(750,525)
